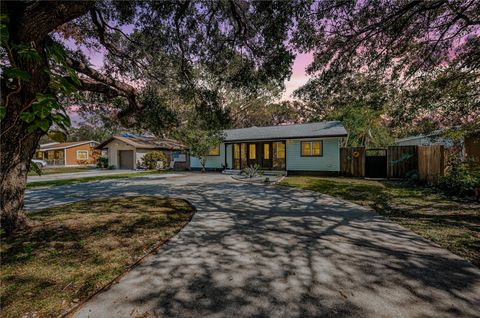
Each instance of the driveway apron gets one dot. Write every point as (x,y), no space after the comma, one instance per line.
(272,251)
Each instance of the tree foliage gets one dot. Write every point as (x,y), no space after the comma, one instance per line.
(429,50)
(200,142)
(180,46)
(360,101)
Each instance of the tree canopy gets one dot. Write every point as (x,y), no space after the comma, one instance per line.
(428,50)
(193,49)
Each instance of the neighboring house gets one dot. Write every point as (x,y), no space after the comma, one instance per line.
(301,148)
(75,153)
(126,151)
(433,138)
(470,145)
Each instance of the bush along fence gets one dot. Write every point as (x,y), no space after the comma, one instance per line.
(425,163)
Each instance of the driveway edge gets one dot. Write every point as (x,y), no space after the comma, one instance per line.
(117,278)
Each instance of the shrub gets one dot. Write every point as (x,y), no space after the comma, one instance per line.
(462,178)
(251,171)
(111,167)
(151,159)
(102,162)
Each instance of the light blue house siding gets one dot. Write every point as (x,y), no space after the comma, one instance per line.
(229,155)
(330,161)
(213,162)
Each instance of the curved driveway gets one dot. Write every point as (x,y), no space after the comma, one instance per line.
(271,251)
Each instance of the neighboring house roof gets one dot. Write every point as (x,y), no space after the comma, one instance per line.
(144,142)
(430,135)
(65,145)
(311,130)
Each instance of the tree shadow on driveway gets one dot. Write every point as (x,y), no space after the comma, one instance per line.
(270,251)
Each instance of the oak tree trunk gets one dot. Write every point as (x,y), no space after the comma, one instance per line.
(17,144)
(29,24)
(17,150)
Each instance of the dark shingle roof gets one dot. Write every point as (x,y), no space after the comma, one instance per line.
(320,129)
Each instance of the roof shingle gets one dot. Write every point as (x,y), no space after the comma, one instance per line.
(319,129)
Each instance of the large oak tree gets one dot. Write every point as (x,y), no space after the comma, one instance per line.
(238,44)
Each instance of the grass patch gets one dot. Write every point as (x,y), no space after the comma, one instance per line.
(46,171)
(36,184)
(455,225)
(74,249)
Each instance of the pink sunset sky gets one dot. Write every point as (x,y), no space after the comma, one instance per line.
(299,76)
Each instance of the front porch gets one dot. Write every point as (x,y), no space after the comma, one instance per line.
(269,155)
(51,157)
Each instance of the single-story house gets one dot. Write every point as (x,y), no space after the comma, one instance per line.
(75,153)
(126,151)
(469,145)
(312,148)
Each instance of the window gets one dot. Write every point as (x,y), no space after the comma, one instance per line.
(278,150)
(50,154)
(82,154)
(252,151)
(236,151)
(311,148)
(243,155)
(215,151)
(266,151)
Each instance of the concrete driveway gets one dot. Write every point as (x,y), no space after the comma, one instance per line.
(271,251)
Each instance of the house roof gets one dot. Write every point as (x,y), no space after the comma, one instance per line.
(65,145)
(144,142)
(432,134)
(311,130)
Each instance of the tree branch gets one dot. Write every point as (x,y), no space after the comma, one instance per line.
(108,86)
(38,18)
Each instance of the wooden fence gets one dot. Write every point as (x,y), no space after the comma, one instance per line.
(401,160)
(352,161)
(431,163)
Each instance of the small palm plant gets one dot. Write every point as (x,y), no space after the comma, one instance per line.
(251,171)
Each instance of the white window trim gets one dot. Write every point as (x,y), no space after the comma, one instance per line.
(79,151)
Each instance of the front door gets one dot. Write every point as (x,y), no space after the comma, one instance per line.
(266,155)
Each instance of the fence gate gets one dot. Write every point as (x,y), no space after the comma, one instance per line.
(376,163)
(352,161)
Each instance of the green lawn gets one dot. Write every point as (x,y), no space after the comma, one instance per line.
(62,170)
(455,225)
(74,249)
(91,179)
